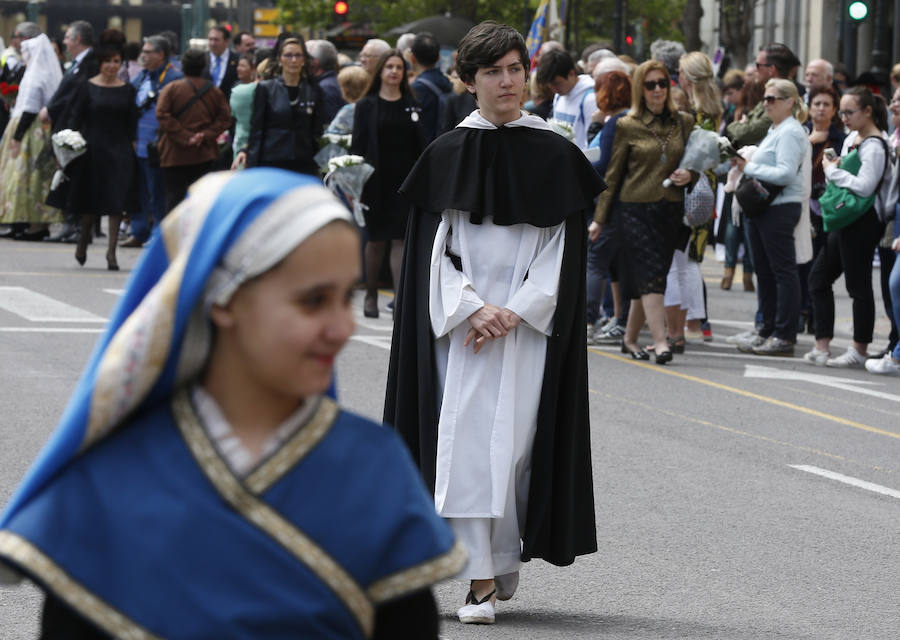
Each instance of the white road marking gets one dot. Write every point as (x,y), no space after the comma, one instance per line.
(382,342)
(37,307)
(840,477)
(49,330)
(845,384)
(115,292)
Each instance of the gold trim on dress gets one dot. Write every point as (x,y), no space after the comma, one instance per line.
(45,570)
(267,519)
(409,580)
(295,449)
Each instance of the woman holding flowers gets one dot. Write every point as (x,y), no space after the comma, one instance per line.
(387,132)
(104,178)
(26,172)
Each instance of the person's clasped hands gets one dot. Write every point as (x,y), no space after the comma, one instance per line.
(488,323)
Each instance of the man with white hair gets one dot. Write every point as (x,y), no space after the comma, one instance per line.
(323,68)
(371,52)
(594,59)
(404,44)
(819,74)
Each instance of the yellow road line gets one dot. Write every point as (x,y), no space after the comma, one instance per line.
(750,394)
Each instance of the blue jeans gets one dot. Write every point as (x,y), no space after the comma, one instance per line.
(734,236)
(601,257)
(894,283)
(153,200)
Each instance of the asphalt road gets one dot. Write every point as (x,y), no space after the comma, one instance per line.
(737,497)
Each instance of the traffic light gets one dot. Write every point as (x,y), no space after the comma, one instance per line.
(341,8)
(858,11)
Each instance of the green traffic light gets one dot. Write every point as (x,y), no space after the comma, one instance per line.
(858,10)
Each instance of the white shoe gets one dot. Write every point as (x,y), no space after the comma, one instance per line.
(475,612)
(745,337)
(506,585)
(850,359)
(817,356)
(885,366)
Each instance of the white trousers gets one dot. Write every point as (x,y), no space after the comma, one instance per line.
(684,286)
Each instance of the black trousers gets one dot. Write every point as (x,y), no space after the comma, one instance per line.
(176,181)
(775,261)
(849,251)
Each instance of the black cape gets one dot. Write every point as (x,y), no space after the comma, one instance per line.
(517,175)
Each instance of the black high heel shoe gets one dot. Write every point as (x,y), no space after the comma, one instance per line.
(640,354)
(664,357)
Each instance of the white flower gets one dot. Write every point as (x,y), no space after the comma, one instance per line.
(69,139)
(562,128)
(344,161)
(335,138)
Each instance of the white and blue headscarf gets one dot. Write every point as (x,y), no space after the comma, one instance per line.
(231,228)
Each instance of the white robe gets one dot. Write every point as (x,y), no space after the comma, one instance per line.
(489,401)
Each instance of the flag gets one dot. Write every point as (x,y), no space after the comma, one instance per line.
(538,31)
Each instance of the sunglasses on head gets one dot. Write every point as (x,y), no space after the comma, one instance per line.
(650,85)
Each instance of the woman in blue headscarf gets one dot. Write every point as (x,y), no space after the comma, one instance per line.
(202,483)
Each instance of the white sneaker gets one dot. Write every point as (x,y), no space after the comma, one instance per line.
(506,585)
(477,613)
(885,366)
(745,337)
(817,356)
(850,359)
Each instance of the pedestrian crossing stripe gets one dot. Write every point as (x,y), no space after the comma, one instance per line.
(36,307)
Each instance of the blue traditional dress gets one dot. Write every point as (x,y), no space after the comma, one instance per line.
(132,516)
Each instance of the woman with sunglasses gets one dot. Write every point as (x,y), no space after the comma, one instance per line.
(647,149)
(849,250)
(287,115)
(783,159)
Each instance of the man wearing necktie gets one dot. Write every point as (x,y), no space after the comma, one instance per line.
(222,64)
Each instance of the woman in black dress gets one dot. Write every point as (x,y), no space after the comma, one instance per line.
(386,131)
(288,118)
(103,182)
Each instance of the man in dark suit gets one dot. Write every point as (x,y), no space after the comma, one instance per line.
(323,63)
(79,42)
(222,67)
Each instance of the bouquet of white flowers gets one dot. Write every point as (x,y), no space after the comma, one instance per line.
(562,128)
(347,175)
(333,146)
(67,145)
(702,152)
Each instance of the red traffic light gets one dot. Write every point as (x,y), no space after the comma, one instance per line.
(341,8)
(629,40)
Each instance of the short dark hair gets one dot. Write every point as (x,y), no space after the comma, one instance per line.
(815,92)
(172,37)
(226,34)
(107,53)
(426,49)
(84,31)
(484,45)
(781,57)
(554,63)
(132,51)
(240,36)
(375,85)
(193,62)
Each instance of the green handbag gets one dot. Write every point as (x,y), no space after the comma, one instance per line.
(840,206)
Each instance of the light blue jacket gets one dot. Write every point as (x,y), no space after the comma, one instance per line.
(779,158)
